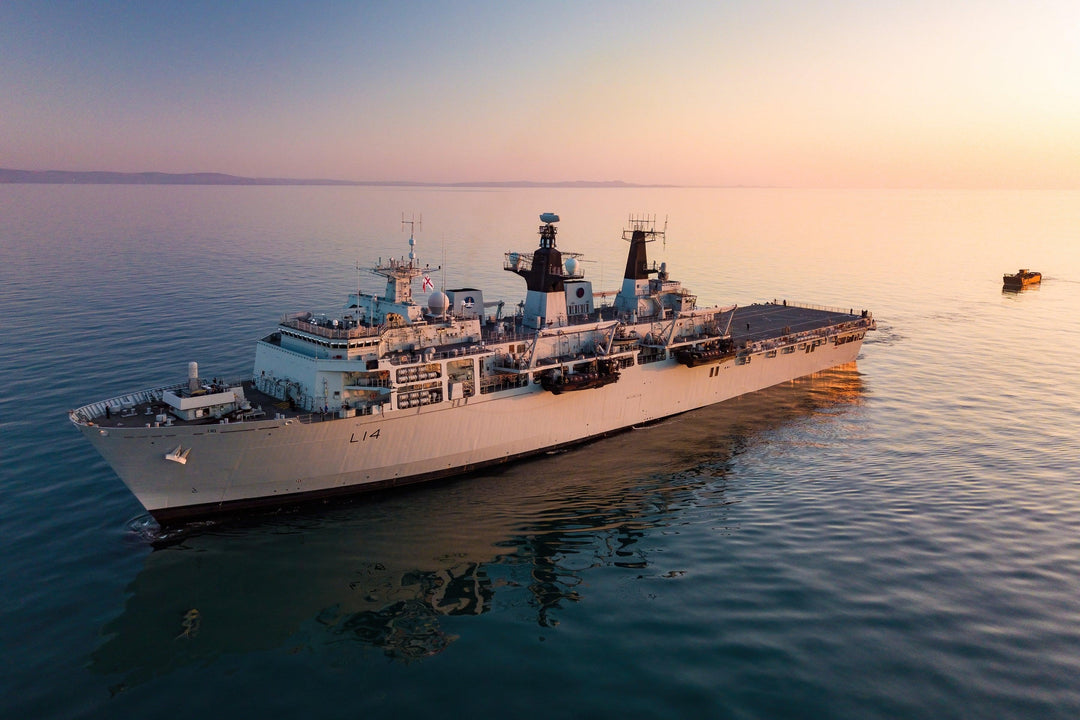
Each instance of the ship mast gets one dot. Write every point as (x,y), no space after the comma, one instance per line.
(635,286)
(545,277)
(399,274)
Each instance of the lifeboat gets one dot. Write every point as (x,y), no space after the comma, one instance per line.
(605,374)
(716,353)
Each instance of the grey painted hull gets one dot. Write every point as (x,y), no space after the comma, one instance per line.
(274,462)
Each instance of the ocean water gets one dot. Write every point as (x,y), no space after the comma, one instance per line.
(897,538)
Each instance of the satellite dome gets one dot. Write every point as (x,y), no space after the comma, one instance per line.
(437,302)
(571,266)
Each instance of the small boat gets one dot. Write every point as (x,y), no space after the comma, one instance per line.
(708,354)
(606,372)
(1022,279)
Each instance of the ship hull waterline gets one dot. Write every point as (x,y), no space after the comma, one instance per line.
(266,463)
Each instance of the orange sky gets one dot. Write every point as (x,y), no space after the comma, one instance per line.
(833,94)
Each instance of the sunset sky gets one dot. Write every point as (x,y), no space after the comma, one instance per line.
(913,93)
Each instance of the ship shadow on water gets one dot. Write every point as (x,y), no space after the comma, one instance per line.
(398,573)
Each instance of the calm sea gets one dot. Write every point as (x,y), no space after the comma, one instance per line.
(898,538)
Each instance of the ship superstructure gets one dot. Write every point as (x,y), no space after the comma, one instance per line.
(391,391)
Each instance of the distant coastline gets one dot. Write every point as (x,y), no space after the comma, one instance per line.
(68,177)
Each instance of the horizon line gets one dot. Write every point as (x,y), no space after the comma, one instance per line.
(109,177)
(12,176)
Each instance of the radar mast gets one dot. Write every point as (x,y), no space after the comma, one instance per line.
(400,273)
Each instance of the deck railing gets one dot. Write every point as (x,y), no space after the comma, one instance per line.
(330,332)
(118,403)
(823,308)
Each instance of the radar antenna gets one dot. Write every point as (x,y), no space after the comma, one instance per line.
(414,225)
(399,274)
(646,224)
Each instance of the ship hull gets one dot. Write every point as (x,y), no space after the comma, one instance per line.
(273,462)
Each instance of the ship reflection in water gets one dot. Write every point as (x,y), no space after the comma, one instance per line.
(395,573)
(409,628)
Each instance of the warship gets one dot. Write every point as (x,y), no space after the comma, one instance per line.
(391,391)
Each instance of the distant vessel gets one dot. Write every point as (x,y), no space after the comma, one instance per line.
(1021,279)
(392,392)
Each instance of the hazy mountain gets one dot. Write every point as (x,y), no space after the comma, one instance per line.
(66,177)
